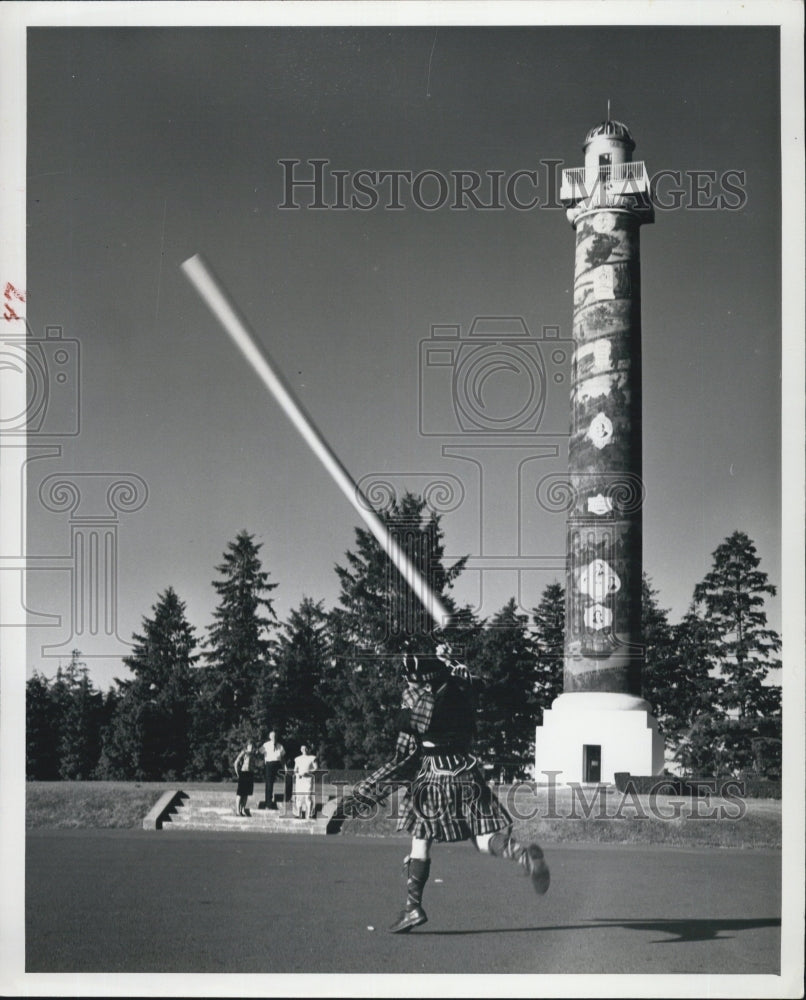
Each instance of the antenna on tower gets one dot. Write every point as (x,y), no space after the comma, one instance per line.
(608,109)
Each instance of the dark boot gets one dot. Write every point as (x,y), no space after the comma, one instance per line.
(528,856)
(414,914)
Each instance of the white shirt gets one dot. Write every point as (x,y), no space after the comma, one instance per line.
(304,764)
(272,751)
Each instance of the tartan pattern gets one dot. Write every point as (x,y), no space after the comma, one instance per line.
(449,800)
(419,700)
(375,787)
(406,746)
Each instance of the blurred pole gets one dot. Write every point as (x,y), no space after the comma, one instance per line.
(211,291)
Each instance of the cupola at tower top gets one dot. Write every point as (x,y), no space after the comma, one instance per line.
(612,129)
(608,143)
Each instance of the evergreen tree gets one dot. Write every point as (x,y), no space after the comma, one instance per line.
(342,674)
(238,654)
(677,670)
(505,660)
(238,645)
(704,749)
(691,711)
(697,686)
(79,714)
(41,731)
(378,614)
(123,741)
(741,727)
(290,699)
(210,740)
(548,638)
(658,677)
(733,595)
(149,734)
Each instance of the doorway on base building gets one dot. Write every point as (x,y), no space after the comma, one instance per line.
(592,762)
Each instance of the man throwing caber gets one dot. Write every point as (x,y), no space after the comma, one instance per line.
(448,798)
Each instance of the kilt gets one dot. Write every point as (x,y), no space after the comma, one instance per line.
(449,800)
(246,783)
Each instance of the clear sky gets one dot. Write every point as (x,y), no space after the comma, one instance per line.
(146,146)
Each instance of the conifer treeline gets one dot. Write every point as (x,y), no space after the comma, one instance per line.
(329,678)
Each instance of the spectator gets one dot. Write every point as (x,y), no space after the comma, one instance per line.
(244,764)
(304,767)
(273,756)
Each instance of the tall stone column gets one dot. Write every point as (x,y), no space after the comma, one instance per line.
(600,724)
(604,556)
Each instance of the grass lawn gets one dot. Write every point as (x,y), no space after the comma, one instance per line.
(565,818)
(69,805)
(612,818)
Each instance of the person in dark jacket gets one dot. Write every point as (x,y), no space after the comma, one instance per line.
(447,797)
(244,772)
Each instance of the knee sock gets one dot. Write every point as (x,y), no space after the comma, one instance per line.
(416,877)
(503,845)
(528,856)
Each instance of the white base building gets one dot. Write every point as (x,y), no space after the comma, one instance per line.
(588,736)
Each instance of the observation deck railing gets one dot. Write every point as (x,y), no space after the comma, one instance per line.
(604,182)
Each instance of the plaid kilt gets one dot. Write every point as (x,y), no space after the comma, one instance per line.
(449,800)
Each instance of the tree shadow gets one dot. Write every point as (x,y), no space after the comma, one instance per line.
(708,929)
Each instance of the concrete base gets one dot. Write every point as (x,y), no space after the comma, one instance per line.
(589,736)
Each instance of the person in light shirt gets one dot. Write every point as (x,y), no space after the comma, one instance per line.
(273,757)
(304,767)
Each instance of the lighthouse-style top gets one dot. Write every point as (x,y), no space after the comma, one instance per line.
(610,178)
(611,129)
(610,140)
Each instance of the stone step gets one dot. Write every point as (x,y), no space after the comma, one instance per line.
(211,812)
(216,811)
(228,809)
(229,793)
(244,824)
(228,798)
(228,802)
